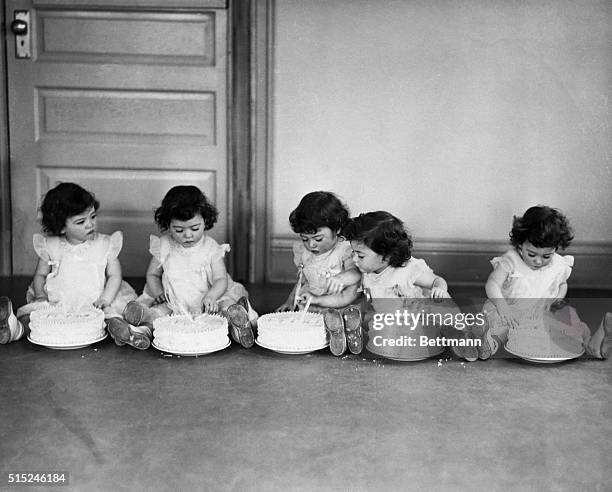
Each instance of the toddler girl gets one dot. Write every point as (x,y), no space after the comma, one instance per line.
(533,269)
(76,265)
(327,278)
(382,251)
(187,272)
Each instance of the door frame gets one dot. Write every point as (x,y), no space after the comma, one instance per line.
(249,22)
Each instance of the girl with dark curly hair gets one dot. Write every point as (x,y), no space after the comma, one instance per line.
(397,282)
(383,253)
(187,273)
(327,277)
(529,282)
(77,265)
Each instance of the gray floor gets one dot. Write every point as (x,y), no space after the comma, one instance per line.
(120,419)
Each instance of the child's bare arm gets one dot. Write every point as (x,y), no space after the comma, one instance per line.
(493,288)
(559,301)
(562,291)
(349,295)
(113,283)
(154,281)
(218,287)
(437,285)
(338,282)
(38,281)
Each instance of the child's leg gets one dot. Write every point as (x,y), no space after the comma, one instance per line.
(466,347)
(600,343)
(239,317)
(352,329)
(334,324)
(11,329)
(136,313)
(123,333)
(491,339)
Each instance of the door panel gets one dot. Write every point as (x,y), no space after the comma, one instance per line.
(127,103)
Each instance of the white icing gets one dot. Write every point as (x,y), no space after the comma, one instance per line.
(543,337)
(286,331)
(183,333)
(53,326)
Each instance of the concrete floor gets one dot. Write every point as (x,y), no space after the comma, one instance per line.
(120,419)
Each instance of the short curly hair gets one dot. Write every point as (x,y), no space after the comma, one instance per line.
(62,202)
(318,209)
(383,233)
(183,203)
(542,226)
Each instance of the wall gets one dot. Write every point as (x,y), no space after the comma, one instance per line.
(453,115)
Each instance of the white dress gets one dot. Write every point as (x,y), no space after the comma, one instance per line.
(187,275)
(524,283)
(78,272)
(396,282)
(317,269)
(393,290)
(530,292)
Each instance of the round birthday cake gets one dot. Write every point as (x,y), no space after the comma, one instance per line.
(292,331)
(544,338)
(54,326)
(190,334)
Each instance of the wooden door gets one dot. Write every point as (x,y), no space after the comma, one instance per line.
(127,101)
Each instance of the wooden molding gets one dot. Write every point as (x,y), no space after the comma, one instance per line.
(6,267)
(463,262)
(262,14)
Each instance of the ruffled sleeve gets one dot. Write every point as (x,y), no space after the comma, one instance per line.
(567,263)
(218,251)
(298,253)
(40,246)
(116,243)
(416,268)
(155,247)
(503,263)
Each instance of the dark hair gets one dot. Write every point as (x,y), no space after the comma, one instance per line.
(542,226)
(383,233)
(184,203)
(318,209)
(64,201)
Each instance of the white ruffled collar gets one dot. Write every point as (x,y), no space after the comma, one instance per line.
(85,245)
(197,247)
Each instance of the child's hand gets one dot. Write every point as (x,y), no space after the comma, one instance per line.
(439,293)
(507,316)
(335,285)
(160,299)
(284,307)
(210,305)
(306,298)
(558,304)
(101,303)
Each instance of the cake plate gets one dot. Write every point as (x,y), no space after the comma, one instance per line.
(399,359)
(542,360)
(190,353)
(405,359)
(66,346)
(292,351)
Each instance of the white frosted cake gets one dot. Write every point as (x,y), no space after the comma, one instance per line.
(186,334)
(287,331)
(54,326)
(544,337)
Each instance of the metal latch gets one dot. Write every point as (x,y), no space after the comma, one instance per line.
(21,28)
